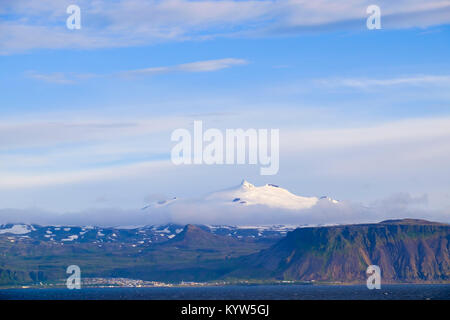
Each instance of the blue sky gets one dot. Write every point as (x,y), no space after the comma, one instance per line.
(86,115)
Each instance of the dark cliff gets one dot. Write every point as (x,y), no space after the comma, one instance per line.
(405,250)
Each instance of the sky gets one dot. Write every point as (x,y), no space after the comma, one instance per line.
(86,115)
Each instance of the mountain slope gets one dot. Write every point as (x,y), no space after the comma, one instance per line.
(192,253)
(405,251)
(195,237)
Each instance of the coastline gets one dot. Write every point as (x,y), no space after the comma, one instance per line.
(133,283)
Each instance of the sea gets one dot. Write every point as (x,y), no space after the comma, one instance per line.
(239,292)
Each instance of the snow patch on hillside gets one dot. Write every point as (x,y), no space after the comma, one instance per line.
(17,229)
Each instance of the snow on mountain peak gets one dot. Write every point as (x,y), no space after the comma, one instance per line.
(246,184)
(269,195)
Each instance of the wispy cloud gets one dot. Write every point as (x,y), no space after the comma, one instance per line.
(420,80)
(194,67)
(32,180)
(399,133)
(199,66)
(56,77)
(59,77)
(139,22)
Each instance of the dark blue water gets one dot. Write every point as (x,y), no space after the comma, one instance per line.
(261,292)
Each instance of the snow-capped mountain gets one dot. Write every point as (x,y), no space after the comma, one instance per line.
(269,195)
(247,194)
(247,204)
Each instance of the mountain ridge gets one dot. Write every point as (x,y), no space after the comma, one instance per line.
(405,252)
